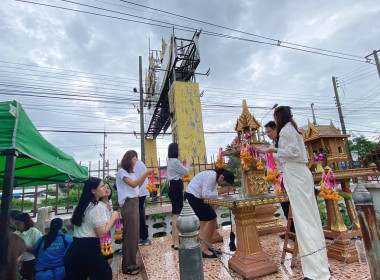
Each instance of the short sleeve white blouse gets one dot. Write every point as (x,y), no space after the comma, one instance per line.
(30,237)
(94,216)
(123,189)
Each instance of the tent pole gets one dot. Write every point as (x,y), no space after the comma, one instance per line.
(6,203)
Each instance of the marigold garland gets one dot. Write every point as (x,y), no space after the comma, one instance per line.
(220,160)
(245,156)
(185,178)
(151,187)
(106,245)
(328,190)
(118,231)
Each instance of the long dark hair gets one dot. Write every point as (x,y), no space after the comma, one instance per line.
(55,226)
(16,247)
(173,150)
(228,175)
(126,162)
(283,115)
(26,219)
(86,198)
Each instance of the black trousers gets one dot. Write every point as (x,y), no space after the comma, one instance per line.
(143,227)
(84,259)
(285,208)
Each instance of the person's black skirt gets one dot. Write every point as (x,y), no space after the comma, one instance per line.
(203,210)
(84,259)
(175,193)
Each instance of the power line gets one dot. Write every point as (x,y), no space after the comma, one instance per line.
(239,31)
(210,33)
(67,70)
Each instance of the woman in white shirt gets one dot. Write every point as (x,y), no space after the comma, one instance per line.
(203,185)
(26,230)
(128,196)
(91,222)
(299,184)
(175,171)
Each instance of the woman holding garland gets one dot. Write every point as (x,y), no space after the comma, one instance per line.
(91,222)
(128,196)
(299,184)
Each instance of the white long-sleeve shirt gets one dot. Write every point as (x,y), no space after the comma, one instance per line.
(203,185)
(176,169)
(291,147)
(139,170)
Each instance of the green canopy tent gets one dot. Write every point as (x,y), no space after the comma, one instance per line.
(27,159)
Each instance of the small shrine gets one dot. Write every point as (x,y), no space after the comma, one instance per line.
(253,172)
(247,127)
(328,140)
(326,147)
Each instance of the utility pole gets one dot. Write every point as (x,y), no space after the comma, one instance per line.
(376,58)
(142,158)
(312,110)
(377,61)
(342,119)
(104,154)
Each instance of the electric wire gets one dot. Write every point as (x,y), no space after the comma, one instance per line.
(210,33)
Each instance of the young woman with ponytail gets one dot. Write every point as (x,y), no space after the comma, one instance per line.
(49,252)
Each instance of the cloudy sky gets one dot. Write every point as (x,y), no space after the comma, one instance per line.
(75,67)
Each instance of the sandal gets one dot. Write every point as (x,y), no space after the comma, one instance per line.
(132,271)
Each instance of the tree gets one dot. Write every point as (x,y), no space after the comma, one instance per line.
(362,145)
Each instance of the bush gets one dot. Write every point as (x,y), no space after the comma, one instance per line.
(159,216)
(322,211)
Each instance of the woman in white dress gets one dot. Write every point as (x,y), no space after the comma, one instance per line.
(299,184)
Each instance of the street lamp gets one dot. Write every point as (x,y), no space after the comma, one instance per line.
(262,126)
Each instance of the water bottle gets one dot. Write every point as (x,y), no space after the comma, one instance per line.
(361,251)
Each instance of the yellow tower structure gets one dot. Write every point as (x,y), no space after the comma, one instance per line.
(186,120)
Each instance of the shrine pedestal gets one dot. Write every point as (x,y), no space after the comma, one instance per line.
(266,222)
(264,214)
(335,226)
(248,245)
(338,250)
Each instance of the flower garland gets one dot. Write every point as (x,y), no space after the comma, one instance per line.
(245,155)
(220,160)
(118,231)
(186,178)
(278,187)
(327,190)
(319,157)
(151,187)
(273,175)
(272,171)
(259,164)
(106,245)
